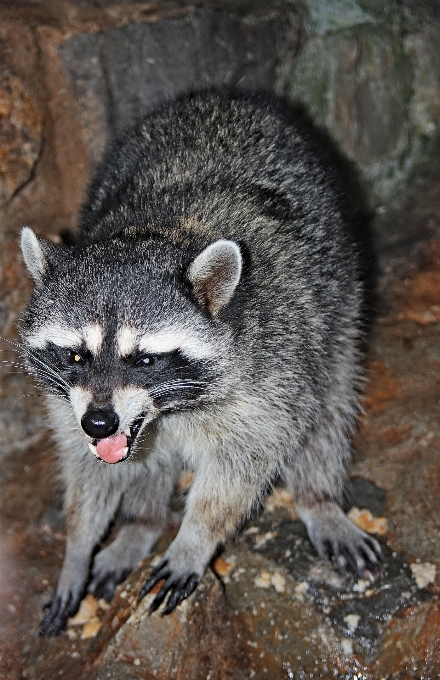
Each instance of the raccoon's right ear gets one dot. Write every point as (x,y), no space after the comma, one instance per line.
(215,273)
(35,253)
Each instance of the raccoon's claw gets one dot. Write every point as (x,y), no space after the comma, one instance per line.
(161,571)
(58,611)
(362,559)
(179,588)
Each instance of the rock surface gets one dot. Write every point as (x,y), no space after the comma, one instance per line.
(21,125)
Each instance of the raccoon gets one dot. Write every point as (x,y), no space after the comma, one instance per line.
(209,316)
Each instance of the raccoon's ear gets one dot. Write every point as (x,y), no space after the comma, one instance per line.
(34,251)
(215,273)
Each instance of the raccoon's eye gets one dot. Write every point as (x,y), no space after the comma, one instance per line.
(145,361)
(75,358)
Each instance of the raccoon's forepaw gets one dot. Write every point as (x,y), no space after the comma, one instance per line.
(58,611)
(179,587)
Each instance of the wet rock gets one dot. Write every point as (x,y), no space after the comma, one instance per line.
(362,493)
(422,46)
(374,602)
(420,293)
(420,659)
(366,108)
(280,609)
(20,415)
(399,436)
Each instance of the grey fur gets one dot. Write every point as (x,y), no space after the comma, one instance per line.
(268,329)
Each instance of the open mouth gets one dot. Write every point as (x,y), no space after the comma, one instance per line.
(118,447)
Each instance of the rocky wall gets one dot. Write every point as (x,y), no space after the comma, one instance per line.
(369,73)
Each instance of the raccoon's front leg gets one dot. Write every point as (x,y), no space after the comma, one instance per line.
(91,503)
(143,516)
(218,500)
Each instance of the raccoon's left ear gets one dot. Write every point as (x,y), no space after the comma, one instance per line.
(35,253)
(215,273)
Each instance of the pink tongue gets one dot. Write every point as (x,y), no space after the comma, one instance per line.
(111,449)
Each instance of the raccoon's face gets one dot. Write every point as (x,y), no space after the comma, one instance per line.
(127,333)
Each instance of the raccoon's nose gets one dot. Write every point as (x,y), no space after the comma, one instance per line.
(100,423)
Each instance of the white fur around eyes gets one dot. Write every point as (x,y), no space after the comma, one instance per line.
(56,333)
(126,340)
(169,340)
(129,340)
(92,335)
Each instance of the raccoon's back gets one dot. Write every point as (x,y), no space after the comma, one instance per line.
(221,161)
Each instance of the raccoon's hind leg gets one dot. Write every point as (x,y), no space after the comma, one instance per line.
(315,475)
(338,540)
(143,516)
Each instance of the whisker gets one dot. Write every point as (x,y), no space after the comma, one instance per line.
(31,394)
(42,371)
(175,384)
(51,370)
(49,377)
(50,384)
(169,392)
